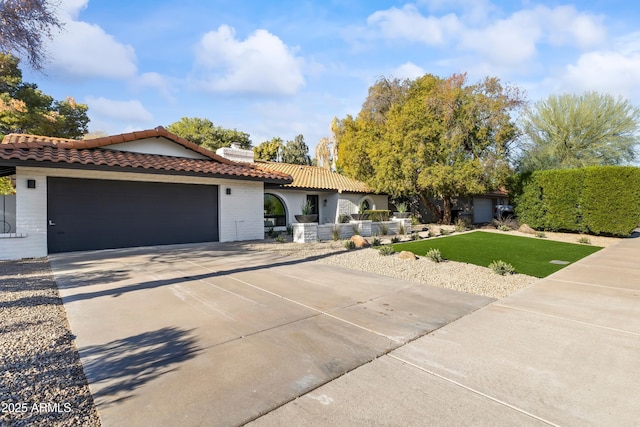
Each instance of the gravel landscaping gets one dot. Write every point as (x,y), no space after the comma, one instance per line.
(41,378)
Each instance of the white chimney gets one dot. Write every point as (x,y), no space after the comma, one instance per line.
(235,153)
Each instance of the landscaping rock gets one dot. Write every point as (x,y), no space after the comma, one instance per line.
(407,255)
(360,241)
(524,228)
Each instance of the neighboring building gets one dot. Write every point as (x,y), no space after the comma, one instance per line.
(332,196)
(135,189)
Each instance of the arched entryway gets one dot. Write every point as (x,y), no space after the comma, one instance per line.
(275,212)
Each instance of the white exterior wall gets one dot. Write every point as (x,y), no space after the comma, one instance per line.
(160,146)
(240,213)
(350,202)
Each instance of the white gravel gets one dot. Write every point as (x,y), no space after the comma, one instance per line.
(450,274)
(41,378)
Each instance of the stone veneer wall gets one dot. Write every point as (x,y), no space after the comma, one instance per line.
(312,232)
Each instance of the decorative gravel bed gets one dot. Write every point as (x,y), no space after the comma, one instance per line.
(41,378)
(453,275)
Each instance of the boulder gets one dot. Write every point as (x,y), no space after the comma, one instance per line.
(360,241)
(407,255)
(524,228)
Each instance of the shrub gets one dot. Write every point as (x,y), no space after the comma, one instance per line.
(290,230)
(504,227)
(401,229)
(356,229)
(280,238)
(378,215)
(502,268)
(343,219)
(596,200)
(461,225)
(349,245)
(415,220)
(541,234)
(376,242)
(434,255)
(335,232)
(430,233)
(444,232)
(415,236)
(584,240)
(384,228)
(271,232)
(395,239)
(386,250)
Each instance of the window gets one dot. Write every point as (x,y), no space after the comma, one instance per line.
(275,215)
(313,201)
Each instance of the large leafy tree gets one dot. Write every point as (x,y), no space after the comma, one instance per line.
(204,133)
(438,138)
(24,24)
(26,109)
(572,131)
(296,152)
(269,151)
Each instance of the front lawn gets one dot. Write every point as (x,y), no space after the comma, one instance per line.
(527,255)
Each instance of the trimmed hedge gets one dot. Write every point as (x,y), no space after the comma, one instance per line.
(596,200)
(378,215)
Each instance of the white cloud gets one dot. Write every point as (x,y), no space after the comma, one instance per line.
(127,111)
(607,71)
(408,70)
(261,63)
(86,50)
(409,24)
(156,81)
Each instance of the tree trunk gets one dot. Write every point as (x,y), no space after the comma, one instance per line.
(446,216)
(427,203)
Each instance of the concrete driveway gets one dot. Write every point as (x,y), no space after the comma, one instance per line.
(216,334)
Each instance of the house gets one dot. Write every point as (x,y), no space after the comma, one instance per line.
(135,189)
(331,195)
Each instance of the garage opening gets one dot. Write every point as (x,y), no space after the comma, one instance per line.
(89,214)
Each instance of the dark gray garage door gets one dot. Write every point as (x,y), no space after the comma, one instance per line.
(86,214)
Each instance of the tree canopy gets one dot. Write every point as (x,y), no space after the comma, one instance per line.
(296,152)
(572,131)
(269,151)
(204,133)
(24,24)
(26,109)
(431,137)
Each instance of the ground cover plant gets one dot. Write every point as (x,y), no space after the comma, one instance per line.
(526,255)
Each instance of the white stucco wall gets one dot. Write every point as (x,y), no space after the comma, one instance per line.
(160,146)
(336,204)
(240,213)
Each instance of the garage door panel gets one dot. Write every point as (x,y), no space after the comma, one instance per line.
(102,214)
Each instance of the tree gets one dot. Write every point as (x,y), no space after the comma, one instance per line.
(323,153)
(26,109)
(204,133)
(6,187)
(296,152)
(269,151)
(573,131)
(23,26)
(439,138)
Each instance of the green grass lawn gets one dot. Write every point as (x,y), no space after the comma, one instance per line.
(527,255)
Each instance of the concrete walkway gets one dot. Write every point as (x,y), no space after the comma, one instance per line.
(565,351)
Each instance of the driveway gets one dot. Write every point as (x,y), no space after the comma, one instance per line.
(216,334)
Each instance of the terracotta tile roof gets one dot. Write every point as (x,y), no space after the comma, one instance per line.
(89,152)
(312,177)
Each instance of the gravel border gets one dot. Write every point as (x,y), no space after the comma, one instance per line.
(41,378)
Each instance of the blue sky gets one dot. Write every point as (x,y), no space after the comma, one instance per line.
(288,67)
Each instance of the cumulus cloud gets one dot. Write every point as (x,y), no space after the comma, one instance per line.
(409,24)
(157,82)
(261,63)
(408,70)
(510,41)
(86,50)
(128,111)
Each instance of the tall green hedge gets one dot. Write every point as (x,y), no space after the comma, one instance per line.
(596,200)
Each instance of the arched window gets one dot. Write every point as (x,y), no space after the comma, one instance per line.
(275,214)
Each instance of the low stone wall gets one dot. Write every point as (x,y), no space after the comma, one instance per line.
(312,232)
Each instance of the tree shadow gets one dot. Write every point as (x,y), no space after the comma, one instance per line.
(116,369)
(118,291)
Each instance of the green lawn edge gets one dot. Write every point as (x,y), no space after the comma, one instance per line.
(528,255)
